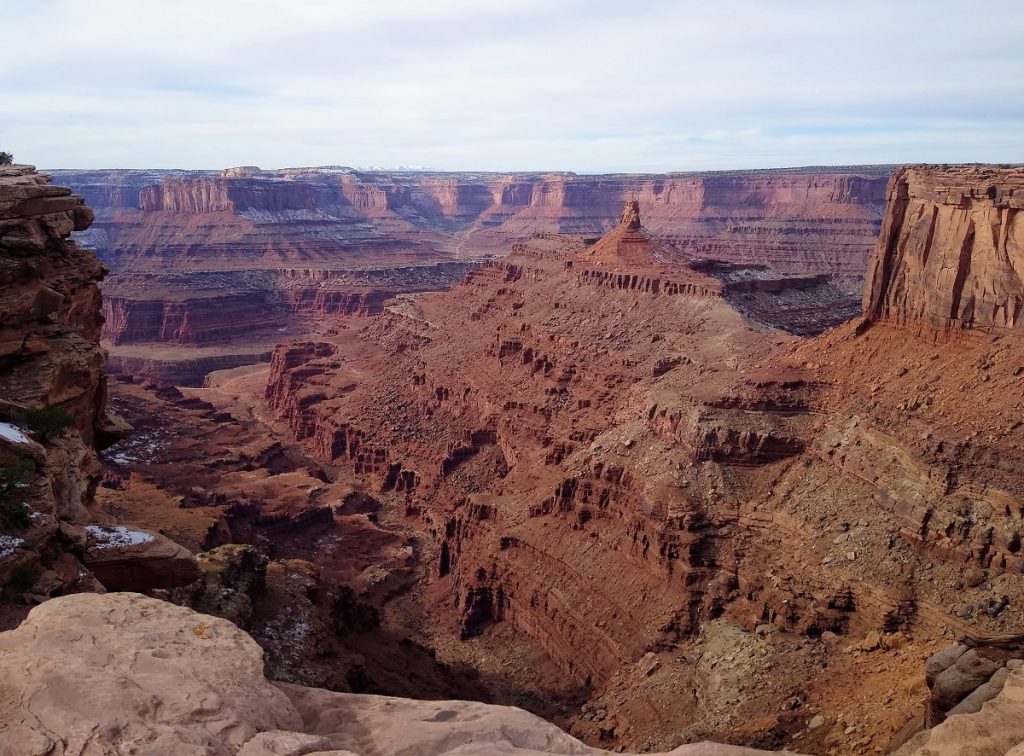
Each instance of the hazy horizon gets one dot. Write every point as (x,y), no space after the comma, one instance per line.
(531,86)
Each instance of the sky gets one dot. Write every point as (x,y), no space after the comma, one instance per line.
(569,85)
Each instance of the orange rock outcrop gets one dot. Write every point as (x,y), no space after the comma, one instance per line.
(237,258)
(599,473)
(951,253)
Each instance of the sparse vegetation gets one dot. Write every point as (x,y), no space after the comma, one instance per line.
(6,158)
(22,577)
(13,478)
(46,422)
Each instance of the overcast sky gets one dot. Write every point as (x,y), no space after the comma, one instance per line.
(581,85)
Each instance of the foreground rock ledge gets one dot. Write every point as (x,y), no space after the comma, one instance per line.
(120,673)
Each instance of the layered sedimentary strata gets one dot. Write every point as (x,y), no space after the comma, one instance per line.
(605,457)
(188,308)
(288,550)
(951,252)
(188,366)
(49,357)
(568,405)
(52,398)
(584,410)
(310,244)
(796,221)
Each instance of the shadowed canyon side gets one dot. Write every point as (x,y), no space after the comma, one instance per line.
(580,410)
(53,413)
(233,261)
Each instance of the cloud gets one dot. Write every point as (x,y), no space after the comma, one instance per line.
(590,86)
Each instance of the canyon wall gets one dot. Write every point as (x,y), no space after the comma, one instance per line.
(240,257)
(951,253)
(53,414)
(603,475)
(209,693)
(50,362)
(794,220)
(608,420)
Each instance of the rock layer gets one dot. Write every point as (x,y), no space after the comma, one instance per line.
(49,358)
(951,253)
(243,254)
(797,221)
(53,413)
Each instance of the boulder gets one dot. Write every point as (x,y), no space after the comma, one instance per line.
(108,673)
(131,559)
(997,729)
(968,672)
(121,673)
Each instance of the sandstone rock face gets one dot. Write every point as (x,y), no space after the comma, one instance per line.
(51,361)
(197,682)
(964,676)
(604,459)
(991,726)
(129,559)
(49,357)
(566,405)
(242,256)
(951,253)
(50,298)
(796,221)
(122,673)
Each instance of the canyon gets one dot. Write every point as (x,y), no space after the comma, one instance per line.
(653,479)
(607,401)
(210,269)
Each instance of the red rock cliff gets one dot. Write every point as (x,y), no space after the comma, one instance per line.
(212,195)
(797,221)
(49,356)
(951,252)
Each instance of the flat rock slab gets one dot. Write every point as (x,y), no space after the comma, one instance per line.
(121,673)
(131,559)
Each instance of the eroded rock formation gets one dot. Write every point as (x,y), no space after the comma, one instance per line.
(240,259)
(798,221)
(951,253)
(53,410)
(598,474)
(589,410)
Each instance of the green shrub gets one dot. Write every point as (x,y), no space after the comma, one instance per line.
(13,510)
(6,158)
(22,577)
(46,422)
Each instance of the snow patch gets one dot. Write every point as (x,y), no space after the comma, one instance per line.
(9,544)
(13,434)
(116,536)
